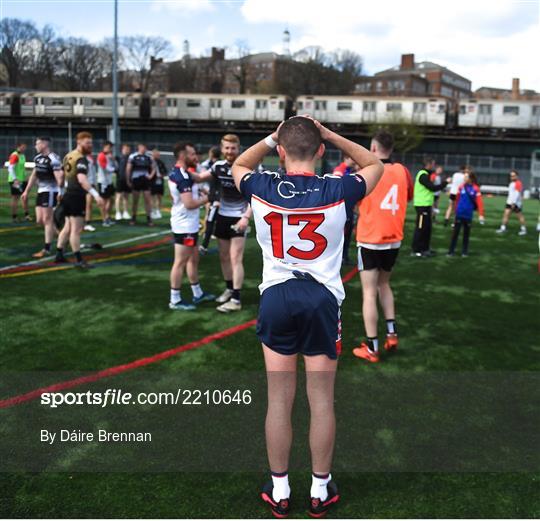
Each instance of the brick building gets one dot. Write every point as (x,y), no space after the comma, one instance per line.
(515,93)
(412,78)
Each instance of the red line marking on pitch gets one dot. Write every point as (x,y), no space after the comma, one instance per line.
(113,371)
(141,362)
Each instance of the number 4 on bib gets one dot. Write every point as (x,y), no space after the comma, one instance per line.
(390,200)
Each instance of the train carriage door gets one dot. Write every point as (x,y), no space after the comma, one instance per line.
(419,113)
(261,110)
(216,111)
(320,111)
(369,112)
(484,115)
(535,119)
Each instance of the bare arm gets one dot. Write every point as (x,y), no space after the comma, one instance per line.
(248,160)
(129,169)
(371,169)
(59,176)
(200,177)
(29,185)
(190,203)
(83,181)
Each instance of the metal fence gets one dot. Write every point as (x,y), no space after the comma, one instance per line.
(491,170)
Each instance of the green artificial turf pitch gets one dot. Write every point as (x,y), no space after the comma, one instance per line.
(72,321)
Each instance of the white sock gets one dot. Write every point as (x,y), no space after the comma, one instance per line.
(319,488)
(503,227)
(175,296)
(196,290)
(282,490)
(523,228)
(375,343)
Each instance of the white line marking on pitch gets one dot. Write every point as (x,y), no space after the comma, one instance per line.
(111,245)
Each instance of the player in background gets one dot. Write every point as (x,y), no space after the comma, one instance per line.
(49,176)
(231,224)
(423,199)
(157,184)
(106,166)
(436,178)
(140,171)
(121,201)
(299,218)
(514,203)
(74,200)
(214,154)
(381,218)
(346,167)
(92,179)
(469,199)
(17,181)
(457,181)
(185,228)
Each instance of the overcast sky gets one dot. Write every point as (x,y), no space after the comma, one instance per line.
(487,41)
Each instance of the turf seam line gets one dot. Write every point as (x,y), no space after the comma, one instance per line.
(141,362)
(111,245)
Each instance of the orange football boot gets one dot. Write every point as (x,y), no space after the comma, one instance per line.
(391,343)
(365,353)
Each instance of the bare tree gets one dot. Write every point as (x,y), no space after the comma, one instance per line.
(44,62)
(17,47)
(141,53)
(242,67)
(82,64)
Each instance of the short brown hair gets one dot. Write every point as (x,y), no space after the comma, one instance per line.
(300,138)
(83,135)
(180,147)
(385,139)
(231,138)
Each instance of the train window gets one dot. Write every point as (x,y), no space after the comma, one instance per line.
(300,105)
(484,110)
(321,105)
(238,104)
(441,108)
(369,106)
(171,103)
(281,105)
(261,104)
(58,101)
(193,103)
(463,109)
(97,102)
(393,107)
(511,110)
(419,108)
(215,103)
(344,105)
(536,110)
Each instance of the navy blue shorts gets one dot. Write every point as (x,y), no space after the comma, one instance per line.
(300,316)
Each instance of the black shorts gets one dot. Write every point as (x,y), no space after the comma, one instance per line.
(300,316)
(141,184)
(106,192)
(46,199)
(74,204)
(453,197)
(514,207)
(223,227)
(122,186)
(157,188)
(376,259)
(19,190)
(186,239)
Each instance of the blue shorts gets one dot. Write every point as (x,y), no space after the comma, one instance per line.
(300,316)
